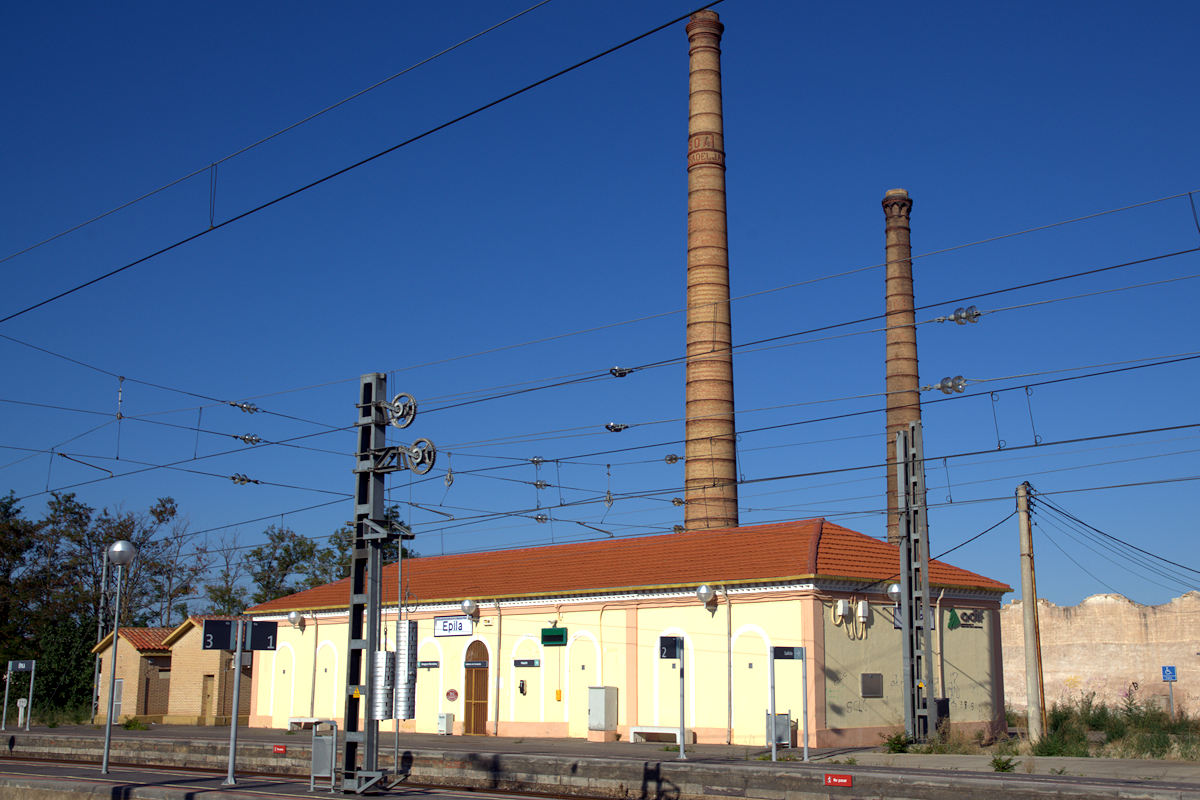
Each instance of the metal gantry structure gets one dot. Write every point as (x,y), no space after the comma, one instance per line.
(365,684)
(920,710)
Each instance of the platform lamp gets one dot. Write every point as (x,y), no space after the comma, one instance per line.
(119,553)
(296,619)
(469,607)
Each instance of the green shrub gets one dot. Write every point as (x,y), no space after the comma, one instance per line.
(53,717)
(134,724)
(896,743)
(1008,747)
(1151,743)
(1004,763)
(948,741)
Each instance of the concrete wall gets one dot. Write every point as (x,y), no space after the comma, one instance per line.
(1106,644)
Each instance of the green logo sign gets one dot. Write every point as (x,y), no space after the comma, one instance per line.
(954,622)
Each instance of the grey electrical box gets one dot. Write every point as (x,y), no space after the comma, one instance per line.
(602,708)
(872,684)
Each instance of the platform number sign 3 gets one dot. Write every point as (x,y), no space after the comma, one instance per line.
(217,634)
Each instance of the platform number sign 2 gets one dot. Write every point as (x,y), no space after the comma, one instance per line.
(669,646)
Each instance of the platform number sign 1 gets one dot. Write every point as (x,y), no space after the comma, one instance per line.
(263,635)
(669,646)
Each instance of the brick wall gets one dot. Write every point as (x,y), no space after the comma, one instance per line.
(128,672)
(189,665)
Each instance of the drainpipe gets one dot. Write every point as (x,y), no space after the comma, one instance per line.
(941,659)
(728,667)
(499,662)
(312,689)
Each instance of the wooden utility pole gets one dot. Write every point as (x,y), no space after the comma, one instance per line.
(1036,705)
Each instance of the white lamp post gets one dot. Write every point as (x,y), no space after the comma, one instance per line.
(119,553)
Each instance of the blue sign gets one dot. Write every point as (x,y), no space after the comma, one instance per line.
(1168,674)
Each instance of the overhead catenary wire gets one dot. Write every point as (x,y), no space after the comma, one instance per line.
(362,162)
(187,461)
(783,287)
(585,378)
(213,165)
(844,415)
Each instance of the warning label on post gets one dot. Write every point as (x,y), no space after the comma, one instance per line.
(839,780)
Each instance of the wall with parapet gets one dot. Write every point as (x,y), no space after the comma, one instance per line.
(1106,645)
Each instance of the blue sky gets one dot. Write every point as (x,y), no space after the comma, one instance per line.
(563,210)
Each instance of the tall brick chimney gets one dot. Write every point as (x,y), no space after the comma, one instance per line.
(903,387)
(710,478)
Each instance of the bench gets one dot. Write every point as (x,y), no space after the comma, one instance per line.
(300,723)
(659,733)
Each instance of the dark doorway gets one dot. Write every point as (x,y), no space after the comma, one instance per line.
(476,690)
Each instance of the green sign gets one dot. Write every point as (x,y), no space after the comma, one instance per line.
(954,623)
(554,637)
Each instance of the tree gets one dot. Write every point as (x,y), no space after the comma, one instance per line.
(175,566)
(226,595)
(18,538)
(277,567)
(332,562)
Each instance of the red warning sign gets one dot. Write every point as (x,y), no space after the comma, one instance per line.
(839,780)
(280,749)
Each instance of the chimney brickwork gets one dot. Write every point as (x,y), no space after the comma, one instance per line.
(903,387)
(710,450)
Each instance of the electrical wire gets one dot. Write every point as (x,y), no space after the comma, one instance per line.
(266,139)
(174,464)
(1129,562)
(1120,541)
(844,415)
(1071,558)
(330,176)
(214,401)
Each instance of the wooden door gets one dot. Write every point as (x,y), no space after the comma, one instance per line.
(206,702)
(475,706)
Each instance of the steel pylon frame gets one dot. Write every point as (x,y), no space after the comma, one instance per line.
(366,589)
(920,712)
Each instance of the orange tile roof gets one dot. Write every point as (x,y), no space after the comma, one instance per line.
(805,549)
(196,620)
(146,638)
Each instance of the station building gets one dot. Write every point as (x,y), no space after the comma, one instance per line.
(142,682)
(164,676)
(810,584)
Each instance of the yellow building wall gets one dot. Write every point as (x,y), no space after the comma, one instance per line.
(304,677)
(616,644)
